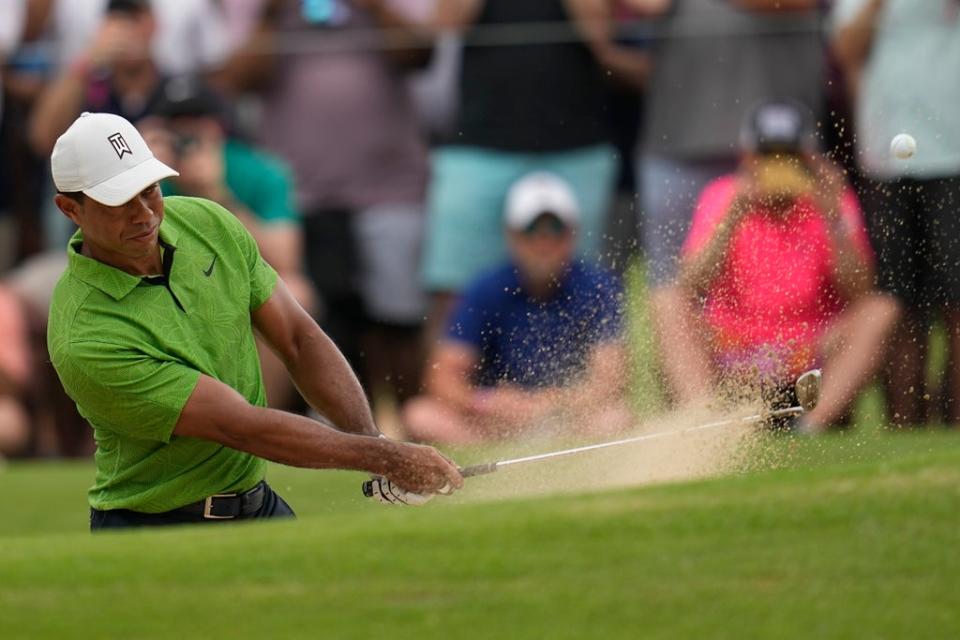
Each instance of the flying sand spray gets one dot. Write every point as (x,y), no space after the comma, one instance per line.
(807,388)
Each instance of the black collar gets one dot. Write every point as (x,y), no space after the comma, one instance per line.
(166,267)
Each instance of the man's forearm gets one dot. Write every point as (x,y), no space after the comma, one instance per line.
(57,107)
(300,442)
(595,21)
(698,271)
(219,413)
(852,42)
(327,382)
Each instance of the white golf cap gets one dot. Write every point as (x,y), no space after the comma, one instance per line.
(105,157)
(536,194)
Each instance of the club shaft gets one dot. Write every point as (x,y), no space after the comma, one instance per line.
(490,467)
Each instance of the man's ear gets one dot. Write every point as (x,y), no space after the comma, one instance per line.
(68,207)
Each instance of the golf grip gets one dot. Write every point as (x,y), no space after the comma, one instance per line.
(466,472)
(478,469)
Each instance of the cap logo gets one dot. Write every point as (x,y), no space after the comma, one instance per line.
(119,145)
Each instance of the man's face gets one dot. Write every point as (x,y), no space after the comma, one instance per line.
(544,249)
(118,234)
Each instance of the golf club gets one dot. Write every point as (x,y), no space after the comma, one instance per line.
(807,388)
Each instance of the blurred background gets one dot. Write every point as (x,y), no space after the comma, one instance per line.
(370,146)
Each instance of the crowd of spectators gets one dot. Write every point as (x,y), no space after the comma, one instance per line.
(450,186)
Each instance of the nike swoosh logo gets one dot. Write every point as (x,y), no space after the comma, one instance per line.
(209,269)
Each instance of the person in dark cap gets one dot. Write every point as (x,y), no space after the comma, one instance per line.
(779,266)
(190,131)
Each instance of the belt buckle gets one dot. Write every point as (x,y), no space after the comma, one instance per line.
(208,506)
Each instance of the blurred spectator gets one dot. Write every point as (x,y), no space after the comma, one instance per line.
(335,105)
(15,365)
(189,132)
(712,61)
(902,61)
(780,257)
(58,429)
(191,36)
(114,74)
(532,96)
(533,345)
(11,28)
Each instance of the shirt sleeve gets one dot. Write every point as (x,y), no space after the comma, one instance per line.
(263,278)
(124,390)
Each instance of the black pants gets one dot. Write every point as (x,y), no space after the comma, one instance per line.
(334,266)
(915,230)
(273,507)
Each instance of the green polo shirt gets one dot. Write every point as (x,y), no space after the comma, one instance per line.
(129,352)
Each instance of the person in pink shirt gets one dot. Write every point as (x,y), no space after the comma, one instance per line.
(15,369)
(779,262)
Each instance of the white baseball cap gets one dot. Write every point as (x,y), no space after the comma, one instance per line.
(536,194)
(105,157)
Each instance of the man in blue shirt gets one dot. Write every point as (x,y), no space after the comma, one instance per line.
(534,345)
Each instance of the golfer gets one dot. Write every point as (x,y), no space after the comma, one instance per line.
(151,332)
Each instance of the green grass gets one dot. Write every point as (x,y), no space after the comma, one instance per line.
(851,536)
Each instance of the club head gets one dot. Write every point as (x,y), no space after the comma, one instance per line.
(808,389)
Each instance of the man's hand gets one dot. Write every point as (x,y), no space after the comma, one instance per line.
(422,470)
(382,490)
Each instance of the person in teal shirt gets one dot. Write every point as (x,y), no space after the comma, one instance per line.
(151,333)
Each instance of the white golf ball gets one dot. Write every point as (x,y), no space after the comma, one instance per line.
(903,146)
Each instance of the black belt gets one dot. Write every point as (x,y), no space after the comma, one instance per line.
(224,506)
